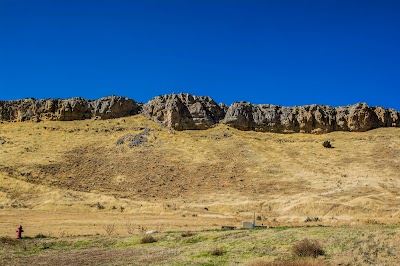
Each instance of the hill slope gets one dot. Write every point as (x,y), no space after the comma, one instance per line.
(133,166)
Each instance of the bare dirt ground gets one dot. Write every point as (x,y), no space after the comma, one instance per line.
(75,178)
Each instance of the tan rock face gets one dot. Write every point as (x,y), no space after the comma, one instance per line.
(185,111)
(68,109)
(310,118)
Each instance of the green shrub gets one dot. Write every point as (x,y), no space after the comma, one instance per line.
(327,144)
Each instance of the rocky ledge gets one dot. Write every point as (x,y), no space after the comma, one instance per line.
(68,109)
(185,111)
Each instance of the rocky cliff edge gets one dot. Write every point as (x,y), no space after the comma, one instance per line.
(185,111)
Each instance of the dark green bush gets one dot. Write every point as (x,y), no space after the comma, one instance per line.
(327,144)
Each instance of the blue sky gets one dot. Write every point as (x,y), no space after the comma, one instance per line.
(286,52)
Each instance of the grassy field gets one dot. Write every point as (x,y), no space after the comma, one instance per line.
(359,245)
(72,180)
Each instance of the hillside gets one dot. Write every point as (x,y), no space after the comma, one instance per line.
(66,175)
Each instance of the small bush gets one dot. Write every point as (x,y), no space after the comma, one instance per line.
(327,144)
(40,235)
(217,252)
(147,239)
(308,248)
(187,234)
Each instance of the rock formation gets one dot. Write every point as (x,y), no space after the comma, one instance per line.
(184,111)
(310,118)
(68,109)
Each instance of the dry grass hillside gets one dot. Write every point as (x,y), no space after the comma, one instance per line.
(80,176)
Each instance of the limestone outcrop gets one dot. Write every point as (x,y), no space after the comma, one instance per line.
(184,111)
(67,109)
(310,118)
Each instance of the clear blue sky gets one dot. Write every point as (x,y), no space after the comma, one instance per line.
(286,52)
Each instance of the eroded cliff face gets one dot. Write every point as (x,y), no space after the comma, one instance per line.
(310,118)
(68,109)
(185,111)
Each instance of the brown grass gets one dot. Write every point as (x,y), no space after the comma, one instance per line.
(308,248)
(61,172)
(217,251)
(148,239)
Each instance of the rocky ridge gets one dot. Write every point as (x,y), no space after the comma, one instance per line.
(185,111)
(67,109)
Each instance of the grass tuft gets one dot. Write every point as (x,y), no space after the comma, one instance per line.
(217,252)
(308,248)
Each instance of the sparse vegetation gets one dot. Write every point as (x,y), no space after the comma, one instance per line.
(308,248)
(8,241)
(109,228)
(40,235)
(187,234)
(130,228)
(295,262)
(367,245)
(312,219)
(59,182)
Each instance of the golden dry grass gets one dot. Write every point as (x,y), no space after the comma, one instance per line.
(54,175)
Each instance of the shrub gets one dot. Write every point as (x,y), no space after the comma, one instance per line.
(217,252)
(327,144)
(308,248)
(147,239)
